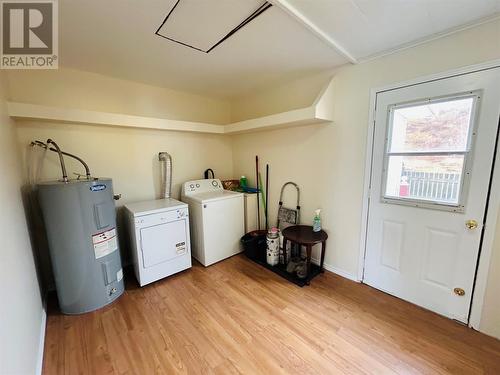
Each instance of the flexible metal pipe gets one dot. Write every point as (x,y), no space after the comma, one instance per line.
(85,165)
(61,159)
(166,171)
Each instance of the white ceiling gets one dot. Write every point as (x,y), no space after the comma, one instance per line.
(292,39)
(371,27)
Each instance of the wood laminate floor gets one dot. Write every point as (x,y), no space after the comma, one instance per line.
(238,318)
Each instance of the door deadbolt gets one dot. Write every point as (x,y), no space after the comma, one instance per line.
(459,292)
(471,224)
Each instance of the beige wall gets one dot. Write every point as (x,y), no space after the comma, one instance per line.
(129,156)
(293,95)
(490,320)
(21,309)
(328,161)
(82,90)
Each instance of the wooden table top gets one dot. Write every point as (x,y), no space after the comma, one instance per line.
(303,234)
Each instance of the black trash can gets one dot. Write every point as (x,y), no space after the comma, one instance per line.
(254,245)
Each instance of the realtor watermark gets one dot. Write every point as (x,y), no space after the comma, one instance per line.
(29,35)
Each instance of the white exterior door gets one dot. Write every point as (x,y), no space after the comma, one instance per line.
(434,146)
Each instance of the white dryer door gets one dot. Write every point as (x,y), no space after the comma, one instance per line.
(163,242)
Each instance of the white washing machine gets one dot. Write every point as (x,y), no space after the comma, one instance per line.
(217,220)
(160,242)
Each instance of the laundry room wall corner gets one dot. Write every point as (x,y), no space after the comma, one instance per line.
(22,325)
(328,161)
(490,319)
(127,155)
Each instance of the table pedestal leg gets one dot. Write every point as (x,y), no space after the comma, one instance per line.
(309,252)
(285,240)
(323,249)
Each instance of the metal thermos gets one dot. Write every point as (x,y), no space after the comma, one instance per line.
(273,246)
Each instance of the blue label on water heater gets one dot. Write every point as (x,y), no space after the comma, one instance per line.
(99,187)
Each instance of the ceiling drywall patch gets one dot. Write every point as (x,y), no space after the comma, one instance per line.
(204,25)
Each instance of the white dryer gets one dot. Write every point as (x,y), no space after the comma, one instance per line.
(217,220)
(160,243)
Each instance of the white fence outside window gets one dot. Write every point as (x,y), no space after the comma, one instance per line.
(443,187)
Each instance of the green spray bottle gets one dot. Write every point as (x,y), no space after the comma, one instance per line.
(317,221)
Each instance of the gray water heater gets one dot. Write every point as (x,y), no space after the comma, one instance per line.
(80,221)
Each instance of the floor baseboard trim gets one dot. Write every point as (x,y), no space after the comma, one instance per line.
(41,344)
(337,271)
(340,272)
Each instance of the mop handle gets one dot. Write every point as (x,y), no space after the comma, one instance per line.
(262,193)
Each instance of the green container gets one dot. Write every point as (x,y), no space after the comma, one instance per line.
(243,182)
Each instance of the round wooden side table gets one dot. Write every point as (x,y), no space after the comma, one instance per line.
(303,235)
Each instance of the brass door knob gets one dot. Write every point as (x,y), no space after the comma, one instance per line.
(471,224)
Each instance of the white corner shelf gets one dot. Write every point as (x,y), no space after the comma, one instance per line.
(319,112)
(79,116)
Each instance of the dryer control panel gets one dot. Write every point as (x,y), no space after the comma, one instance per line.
(161,217)
(201,186)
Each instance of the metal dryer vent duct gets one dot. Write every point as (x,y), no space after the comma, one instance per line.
(166,174)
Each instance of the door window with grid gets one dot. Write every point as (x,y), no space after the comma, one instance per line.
(428,149)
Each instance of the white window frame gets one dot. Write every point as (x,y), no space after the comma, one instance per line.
(468,153)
